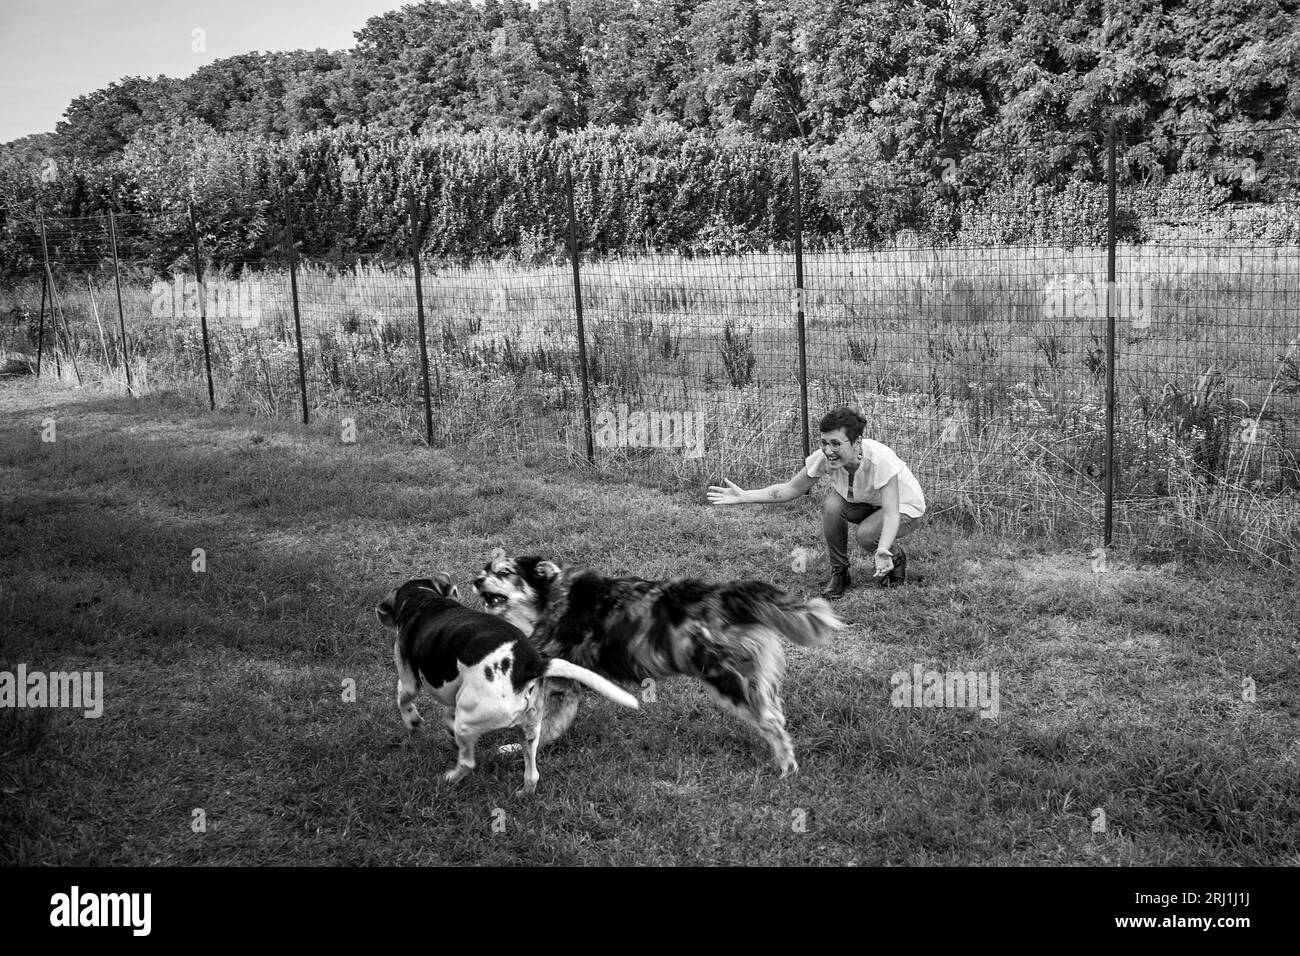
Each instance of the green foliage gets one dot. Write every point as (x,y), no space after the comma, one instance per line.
(678,118)
(500,194)
(924,80)
(738,359)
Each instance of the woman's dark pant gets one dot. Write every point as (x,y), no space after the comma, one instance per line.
(838,514)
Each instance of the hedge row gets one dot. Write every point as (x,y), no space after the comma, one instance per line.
(501,194)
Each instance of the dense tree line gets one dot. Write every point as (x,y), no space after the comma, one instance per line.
(918,77)
(693,107)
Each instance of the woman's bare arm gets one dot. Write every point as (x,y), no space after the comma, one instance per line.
(730,493)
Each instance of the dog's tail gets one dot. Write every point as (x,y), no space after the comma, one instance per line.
(562,668)
(807,623)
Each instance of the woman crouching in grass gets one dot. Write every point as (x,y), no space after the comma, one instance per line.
(871,487)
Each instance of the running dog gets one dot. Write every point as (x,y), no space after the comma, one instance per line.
(727,635)
(481,668)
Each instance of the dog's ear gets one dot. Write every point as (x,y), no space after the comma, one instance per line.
(526,568)
(386,610)
(532,692)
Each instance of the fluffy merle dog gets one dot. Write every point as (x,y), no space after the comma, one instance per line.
(726,635)
(481,668)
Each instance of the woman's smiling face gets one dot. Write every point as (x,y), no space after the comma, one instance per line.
(839,451)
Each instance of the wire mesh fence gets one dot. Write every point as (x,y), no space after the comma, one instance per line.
(1038,358)
(1207,398)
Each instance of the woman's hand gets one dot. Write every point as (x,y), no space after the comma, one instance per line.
(728,495)
(884,563)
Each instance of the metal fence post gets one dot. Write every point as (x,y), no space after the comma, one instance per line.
(55,312)
(293,287)
(40,329)
(121,316)
(1111,304)
(799,304)
(577,303)
(203,308)
(419,311)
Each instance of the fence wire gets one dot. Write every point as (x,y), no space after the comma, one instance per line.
(978,350)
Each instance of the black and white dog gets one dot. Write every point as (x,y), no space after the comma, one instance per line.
(726,635)
(480,667)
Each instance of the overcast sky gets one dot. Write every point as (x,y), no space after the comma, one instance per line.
(52,51)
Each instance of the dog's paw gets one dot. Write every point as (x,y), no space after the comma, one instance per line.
(789,768)
(527,790)
(457,773)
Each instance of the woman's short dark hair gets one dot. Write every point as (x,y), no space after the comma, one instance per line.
(845,418)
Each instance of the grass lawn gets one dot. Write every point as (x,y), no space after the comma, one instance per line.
(226,690)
